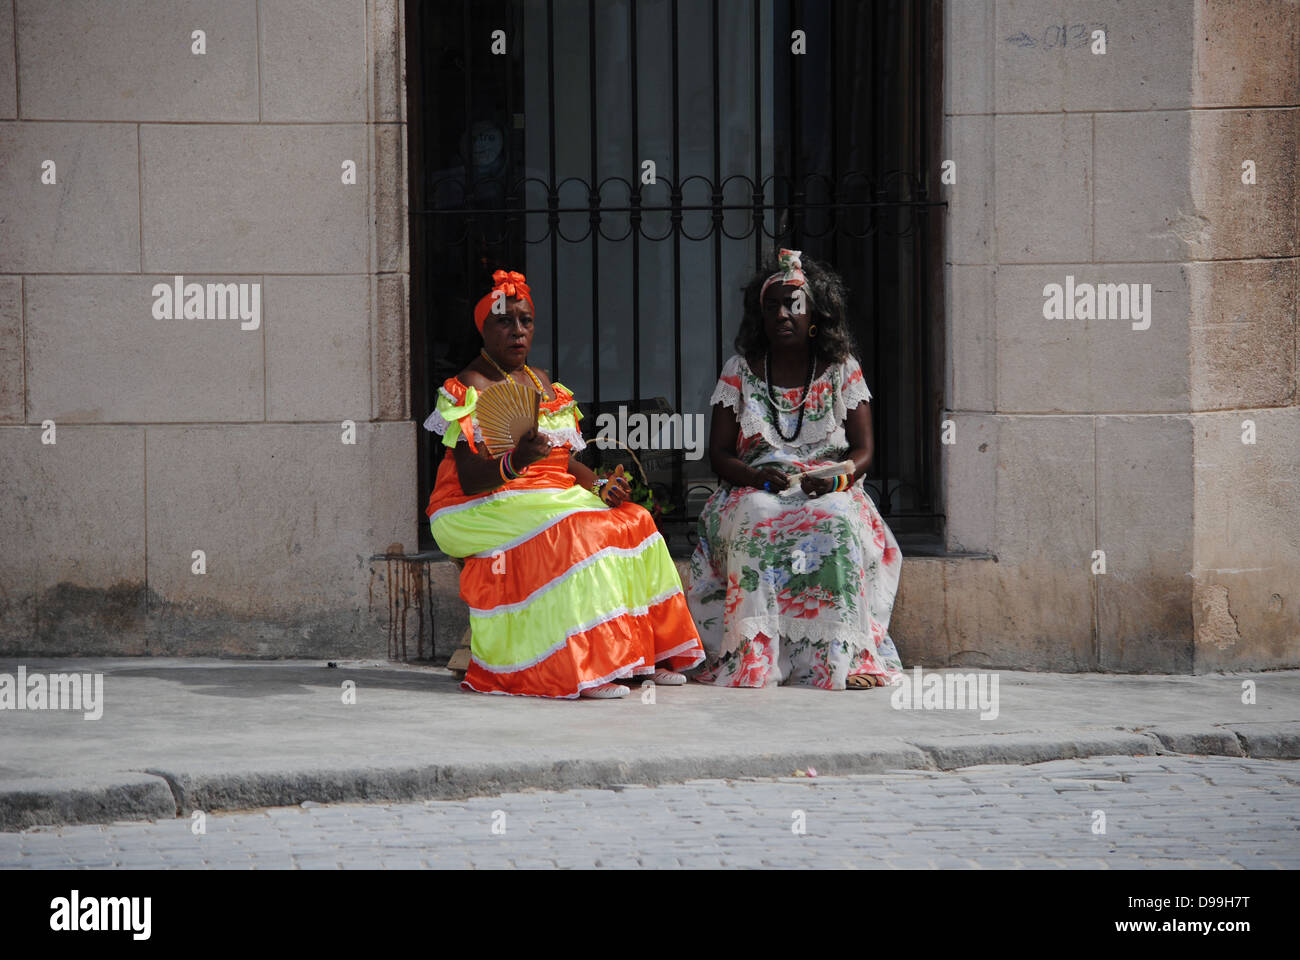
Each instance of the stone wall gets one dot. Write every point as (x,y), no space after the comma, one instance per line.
(1074,436)
(210,433)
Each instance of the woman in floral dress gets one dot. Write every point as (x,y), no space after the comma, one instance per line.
(793,581)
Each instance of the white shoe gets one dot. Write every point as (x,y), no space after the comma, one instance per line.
(668,678)
(606,691)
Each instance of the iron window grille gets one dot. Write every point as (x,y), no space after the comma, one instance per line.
(837,164)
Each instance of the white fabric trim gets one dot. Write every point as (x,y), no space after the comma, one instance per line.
(632,669)
(524,664)
(814,628)
(854,394)
(621,611)
(524,538)
(569,435)
(618,674)
(641,668)
(551,584)
(724,393)
(581,628)
(455,508)
(682,648)
(436,423)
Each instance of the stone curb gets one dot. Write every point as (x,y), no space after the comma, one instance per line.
(159,794)
(55,802)
(268,789)
(1186,738)
(949,753)
(1275,741)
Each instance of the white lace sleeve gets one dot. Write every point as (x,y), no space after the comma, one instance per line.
(450,415)
(853,386)
(728,390)
(435,423)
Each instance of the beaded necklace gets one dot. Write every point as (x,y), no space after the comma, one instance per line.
(527,369)
(771,397)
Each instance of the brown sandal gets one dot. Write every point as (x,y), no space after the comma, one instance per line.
(861,681)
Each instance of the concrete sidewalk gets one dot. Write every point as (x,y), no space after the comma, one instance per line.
(183,735)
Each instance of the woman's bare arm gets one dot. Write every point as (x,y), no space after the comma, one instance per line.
(857,428)
(581,472)
(724,434)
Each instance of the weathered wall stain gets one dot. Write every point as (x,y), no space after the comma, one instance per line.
(408,590)
(127,618)
(1214,620)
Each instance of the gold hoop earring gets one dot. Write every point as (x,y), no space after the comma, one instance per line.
(812,331)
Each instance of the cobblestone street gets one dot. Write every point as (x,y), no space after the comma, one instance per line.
(1159,812)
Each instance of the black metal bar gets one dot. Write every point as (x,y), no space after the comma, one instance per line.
(508,134)
(469,152)
(927,424)
(757,13)
(796,116)
(420,313)
(677,254)
(899,46)
(635,216)
(552,194)
(881,406)
(834,43)
(685,207)
(593,199)
(717,199)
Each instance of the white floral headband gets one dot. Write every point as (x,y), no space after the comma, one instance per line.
(791,272)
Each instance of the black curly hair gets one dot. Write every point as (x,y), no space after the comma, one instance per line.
(827,299)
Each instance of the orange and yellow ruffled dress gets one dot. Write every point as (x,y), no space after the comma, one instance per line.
(564,592)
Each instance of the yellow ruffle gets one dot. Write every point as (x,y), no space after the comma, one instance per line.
(454,415)
(577,414)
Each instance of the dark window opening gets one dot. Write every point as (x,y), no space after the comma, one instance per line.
(533,159)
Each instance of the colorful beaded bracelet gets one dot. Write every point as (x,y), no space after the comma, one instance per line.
(507,468)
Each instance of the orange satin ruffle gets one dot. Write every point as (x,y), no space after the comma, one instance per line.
(551,472)
(605,652)
(536,562)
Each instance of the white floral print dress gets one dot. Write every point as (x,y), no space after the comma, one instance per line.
(786,588)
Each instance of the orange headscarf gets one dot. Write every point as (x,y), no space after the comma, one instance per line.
(511,283)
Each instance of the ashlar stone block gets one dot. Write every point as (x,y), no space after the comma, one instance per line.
(136,60)
(96,352)
(1145,504)
(1045,59)
(224,198)
(1096,365)
(88,218)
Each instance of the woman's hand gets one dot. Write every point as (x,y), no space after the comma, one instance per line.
(616,492)
(817,486)
(532,447)
(776,480)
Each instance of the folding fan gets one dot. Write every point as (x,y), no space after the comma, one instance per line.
(505,412)
(843,468)
(828,472)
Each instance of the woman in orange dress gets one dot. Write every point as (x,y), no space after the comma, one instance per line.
(567,590)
